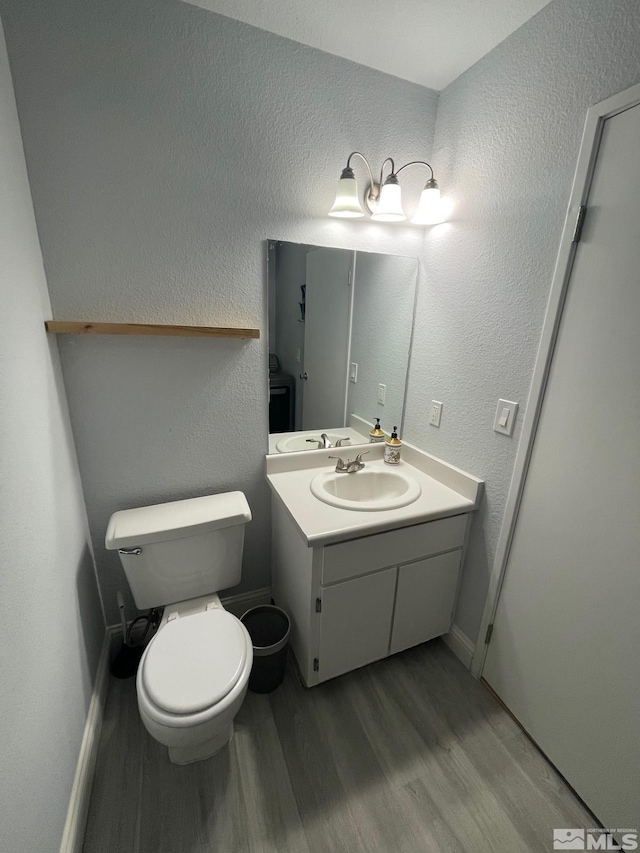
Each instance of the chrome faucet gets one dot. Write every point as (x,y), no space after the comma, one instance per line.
(323,442)
(351,466)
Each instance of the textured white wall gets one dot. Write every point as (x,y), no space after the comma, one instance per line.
(52,624)
(165,144)
(507,139)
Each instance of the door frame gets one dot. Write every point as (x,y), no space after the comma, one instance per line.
(589,148)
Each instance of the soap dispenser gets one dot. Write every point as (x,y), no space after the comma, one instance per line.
(392,447)
(376,433)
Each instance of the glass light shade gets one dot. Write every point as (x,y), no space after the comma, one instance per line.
(347,203)
(429,210)
(389,206)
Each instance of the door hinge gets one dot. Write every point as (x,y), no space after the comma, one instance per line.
(350,277)
(577,231)
(316,664)
(487,636)
(318,605)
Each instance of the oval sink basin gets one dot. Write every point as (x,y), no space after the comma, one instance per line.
(298,441)
(369,490)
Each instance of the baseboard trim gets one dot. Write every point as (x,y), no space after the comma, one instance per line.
(76,822)
(460,645)
(239,604)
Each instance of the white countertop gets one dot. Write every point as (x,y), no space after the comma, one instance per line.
(446,491)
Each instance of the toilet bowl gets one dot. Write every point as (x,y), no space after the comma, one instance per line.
(192,680)
(194,673)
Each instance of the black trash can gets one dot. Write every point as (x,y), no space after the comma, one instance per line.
(268,627)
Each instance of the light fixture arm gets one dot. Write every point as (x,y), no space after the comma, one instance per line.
(393,172)
(417,163)
(431,183)
(366,162)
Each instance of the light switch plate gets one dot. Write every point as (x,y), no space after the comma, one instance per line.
(353,372)
(505,419)
(436,413)
(382,393)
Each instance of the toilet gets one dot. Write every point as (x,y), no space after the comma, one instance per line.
(194,673)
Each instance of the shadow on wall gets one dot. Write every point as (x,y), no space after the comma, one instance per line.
(90,618)
(69,526)
(473,585)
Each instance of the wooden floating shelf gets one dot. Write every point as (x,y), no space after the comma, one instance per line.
(73,327)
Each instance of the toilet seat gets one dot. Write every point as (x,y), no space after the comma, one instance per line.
(193,665)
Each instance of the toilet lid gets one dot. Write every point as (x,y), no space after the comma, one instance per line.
(194,661)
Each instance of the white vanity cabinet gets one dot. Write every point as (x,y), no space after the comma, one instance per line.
(357,601)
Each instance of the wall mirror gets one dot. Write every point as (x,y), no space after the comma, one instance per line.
(340,325)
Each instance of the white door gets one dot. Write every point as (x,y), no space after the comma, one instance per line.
(326,338)
(565,651)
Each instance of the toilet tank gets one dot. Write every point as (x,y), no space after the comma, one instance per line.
(183,549)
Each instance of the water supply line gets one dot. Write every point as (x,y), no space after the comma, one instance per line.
(152,620)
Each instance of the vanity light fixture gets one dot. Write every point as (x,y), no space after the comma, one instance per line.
(383,200)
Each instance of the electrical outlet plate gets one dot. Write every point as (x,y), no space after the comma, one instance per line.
(436,413)
(505,419)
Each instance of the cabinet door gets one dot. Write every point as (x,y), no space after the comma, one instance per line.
(355,624)
(424,601)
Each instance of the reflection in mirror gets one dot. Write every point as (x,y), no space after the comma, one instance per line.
(340,327)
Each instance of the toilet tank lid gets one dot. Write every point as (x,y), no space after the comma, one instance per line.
(176,519)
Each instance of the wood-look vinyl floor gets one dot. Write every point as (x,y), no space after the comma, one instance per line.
(408,755)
